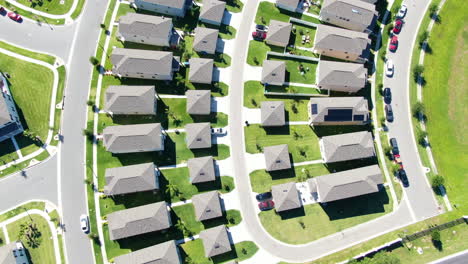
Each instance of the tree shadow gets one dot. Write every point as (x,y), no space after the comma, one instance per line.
(438,245)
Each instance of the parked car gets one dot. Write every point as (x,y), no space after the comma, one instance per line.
(261,28)
(84,223)
(389,112)
(387,95)
(403,177)
(402,12)
(266,205)
(218,131)
(263,196)
(389,68)
(14,16)
(398,26)
(394,145)
(2,10)
(393,44)
(259,35)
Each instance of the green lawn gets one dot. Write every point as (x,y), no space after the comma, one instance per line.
(257,52)
(291,89)
(20,209)
(299,71)
(50,6)
(2,239)
(44,251)
(446,98)
(315,221)
(304,31)
(7,152)
(78,9)
(194,250)
(44,21)
(54,217)
(301,139)
(295,107)
(267,11)
(35,55)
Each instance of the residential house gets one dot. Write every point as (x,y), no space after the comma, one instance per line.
(14,253)
(212,12)
(10,123)
(278,33)
(346,184)
(207,205)
(341,76)
(342,44)
(338,111)
(273,113)
(215,241)
(139,220)
(201,70)
(285,196)
(198,102)
(134,138)
(344,147)
(198,135)
(201,169)
(130,100)
(277,157)
(273,72)
(165,252)
(205,40)
(290,5)
(131,179)
(145,29)
(176,8)
(144,64)
(354,15)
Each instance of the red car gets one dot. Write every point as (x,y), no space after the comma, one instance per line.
(259,35)
(398,26)
(393,44)
(14,16)
(266,205)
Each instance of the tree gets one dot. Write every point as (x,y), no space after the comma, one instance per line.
(183,228)
(93,60)
(103,26)
(419,110)
(255,60)
(433,9)
(90,103)
(437,181)
(253,102)
(418,70)
(422,138)
(436,239)
(89,134)
(385,258)
(172,189)
(423,38)
(294,108)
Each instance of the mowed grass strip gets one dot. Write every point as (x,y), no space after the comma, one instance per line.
(35,55)
(445,96)
(195,251)
(54,7)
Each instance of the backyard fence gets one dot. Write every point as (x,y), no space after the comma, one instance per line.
(462,220)
(302,22)
(298,57)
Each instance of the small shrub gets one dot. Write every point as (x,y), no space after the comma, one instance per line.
(437,181)
(419,109)
(418,70)
(93,60)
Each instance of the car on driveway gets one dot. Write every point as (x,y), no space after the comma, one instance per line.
(402,12)
(387,95)
(398,26)
(218,131)
(389,68)
(14,16)
(389,113)
(259,35)
(393,44)
(263,196)
(403,177)
(84,223)
(261,28)
(266,205)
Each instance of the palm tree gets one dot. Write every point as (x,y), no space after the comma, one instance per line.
(172,189)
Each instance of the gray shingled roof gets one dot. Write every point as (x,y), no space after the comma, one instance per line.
(198,135)
(348,146)
(138,220)
(212,10)
(344,74)
(277,157)
(133,138)
(163,253)
(205,40)
(201,169)
(357,11)
(131,179)
(289,3)
(207,205)
(170,3)
(142,61)
(273,113)
(4,112)
(201,70)
(131,100)
(279,31)
(145,25)
(324,104)
(198,102)
(328,37)
(215,241)
(273,72)
(285,196)
(346,184)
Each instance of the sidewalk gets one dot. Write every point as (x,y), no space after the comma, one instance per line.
(66,16)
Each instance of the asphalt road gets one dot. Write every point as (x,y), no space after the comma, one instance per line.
(457,258)
(419,193)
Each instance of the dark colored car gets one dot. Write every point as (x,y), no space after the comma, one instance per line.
(394,145)
(387,95)
(389,113)
(398,26)
(261,28)
(403,177)
(258,35)
(263,196)
(266,205)
(2,11)
(393,44)
(14,16)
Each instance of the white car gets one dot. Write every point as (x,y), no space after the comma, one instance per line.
(389,68)
(84,223)
(218,131)
(402,11)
